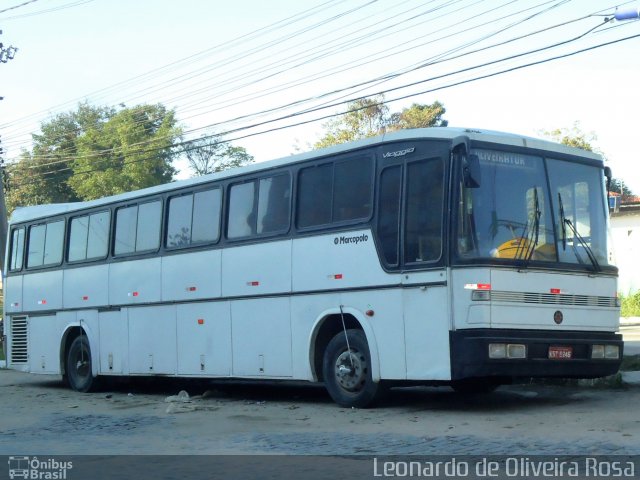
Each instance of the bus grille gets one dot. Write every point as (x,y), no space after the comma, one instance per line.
(553,299)
(19,351)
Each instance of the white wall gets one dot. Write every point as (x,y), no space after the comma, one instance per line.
(625,232)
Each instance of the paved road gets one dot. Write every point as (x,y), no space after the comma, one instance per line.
(631,336)
(39,416)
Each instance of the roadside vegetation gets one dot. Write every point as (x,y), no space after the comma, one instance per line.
(630,305)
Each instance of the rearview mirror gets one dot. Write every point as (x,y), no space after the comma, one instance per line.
(471,172)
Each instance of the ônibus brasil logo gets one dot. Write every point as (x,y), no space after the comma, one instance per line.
(34,468)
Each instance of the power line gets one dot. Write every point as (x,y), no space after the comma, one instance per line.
(377,80)
(336,104)
(18,6)
(325,117)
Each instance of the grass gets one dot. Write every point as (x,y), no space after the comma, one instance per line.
(630,305)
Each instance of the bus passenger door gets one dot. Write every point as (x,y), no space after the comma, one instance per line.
(410,239)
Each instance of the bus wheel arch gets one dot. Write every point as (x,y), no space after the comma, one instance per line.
(76,361)
(329,337)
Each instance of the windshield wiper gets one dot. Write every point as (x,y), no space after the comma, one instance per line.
(587,248)
(563,228)
(532,234)
(583,242)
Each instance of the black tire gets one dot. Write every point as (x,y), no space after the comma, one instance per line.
(350,384)
(78,367)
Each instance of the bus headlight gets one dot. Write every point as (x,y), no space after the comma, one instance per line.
(610,352)
(507,350)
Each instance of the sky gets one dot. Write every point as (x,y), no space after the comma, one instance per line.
(242,68)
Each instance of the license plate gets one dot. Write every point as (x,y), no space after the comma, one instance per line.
(560,353)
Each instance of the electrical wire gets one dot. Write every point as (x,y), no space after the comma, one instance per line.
(335,104)
(376,80)
(316,119)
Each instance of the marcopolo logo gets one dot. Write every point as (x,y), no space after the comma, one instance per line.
(35,468)
(344,240)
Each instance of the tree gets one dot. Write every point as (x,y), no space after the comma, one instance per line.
(419,116)
(133,149)
(368,117)
(210,154)
(41,175)
(575,137)
(93,152)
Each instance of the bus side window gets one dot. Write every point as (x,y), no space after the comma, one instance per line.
(315,188)
(335,192)
(45,244)
(389,213)
(89,237)
(138,228)
(423,224)
(242,217)
(274,204)
(194,218)
(17,249)
(352,183)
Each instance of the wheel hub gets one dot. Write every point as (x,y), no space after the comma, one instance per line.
(351,370)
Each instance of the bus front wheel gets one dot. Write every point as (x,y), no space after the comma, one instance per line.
(78,368)
(347,371)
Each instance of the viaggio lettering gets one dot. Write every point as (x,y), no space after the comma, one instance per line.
(398,153)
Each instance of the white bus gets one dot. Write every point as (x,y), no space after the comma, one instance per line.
(435,256)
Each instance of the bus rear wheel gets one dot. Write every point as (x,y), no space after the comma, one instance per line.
(346,368)
(78,367)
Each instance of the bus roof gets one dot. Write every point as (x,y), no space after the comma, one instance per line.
(23,214)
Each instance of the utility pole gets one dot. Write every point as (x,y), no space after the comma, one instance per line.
(6,54)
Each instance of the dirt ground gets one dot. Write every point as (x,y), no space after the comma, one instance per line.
(38,415)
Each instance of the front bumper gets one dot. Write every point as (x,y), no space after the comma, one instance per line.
(470,354)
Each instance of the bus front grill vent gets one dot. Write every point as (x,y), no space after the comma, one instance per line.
(552,299)
(19,351)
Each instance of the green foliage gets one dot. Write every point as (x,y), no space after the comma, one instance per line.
(630,305)
(210,154)
(370,116)
(419,116)
(132,149)
(575,137)
(364,118)
(93,152)
(619,186)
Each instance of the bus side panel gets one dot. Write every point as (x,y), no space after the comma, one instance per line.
(426,319)
(135,281)
(257,269)
(204,339)
(43,291)
(192,276)
(44,349)
(13,294)
(114,342)
(336,261)
(386,322)
(152,340)
(467,313)
(261,337)
(86,286)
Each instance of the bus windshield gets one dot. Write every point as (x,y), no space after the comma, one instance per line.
(514,215)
